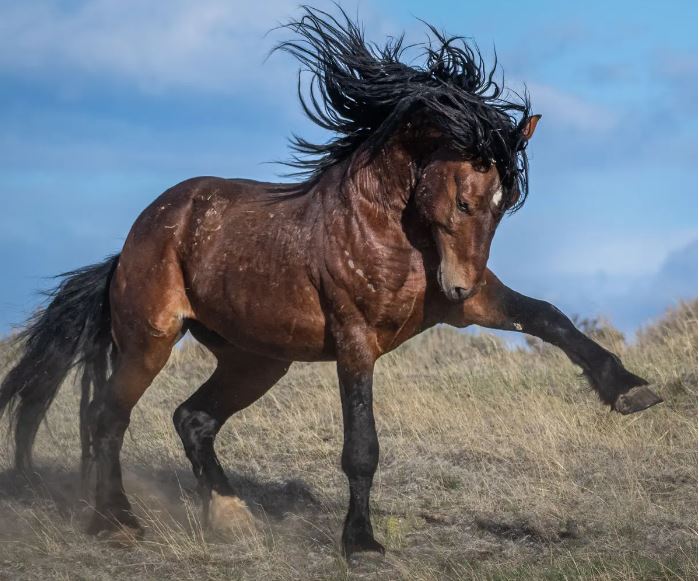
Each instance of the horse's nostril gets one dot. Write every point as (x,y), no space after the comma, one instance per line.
(462,293)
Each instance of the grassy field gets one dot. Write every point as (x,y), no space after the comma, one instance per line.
(495,464)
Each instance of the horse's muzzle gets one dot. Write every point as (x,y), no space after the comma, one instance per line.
(460,293)
(456,290)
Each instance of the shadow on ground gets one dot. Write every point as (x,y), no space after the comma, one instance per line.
(63,490)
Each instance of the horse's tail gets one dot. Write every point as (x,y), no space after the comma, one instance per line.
(73,330)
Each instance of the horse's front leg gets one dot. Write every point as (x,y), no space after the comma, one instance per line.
(499,307)
(360,452)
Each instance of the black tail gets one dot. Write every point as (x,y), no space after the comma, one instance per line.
(73,330)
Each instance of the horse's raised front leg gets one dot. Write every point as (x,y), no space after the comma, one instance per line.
(360,452)
(499,307)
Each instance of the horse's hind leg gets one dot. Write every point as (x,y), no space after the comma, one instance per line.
(239,379)
(110,416)
(142,355)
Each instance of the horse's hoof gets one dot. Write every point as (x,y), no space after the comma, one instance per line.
(124,536)
(124,530)
(230,515)
(115,533)
(362,543)
(636,399)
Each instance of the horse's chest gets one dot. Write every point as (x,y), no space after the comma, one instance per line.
(392,301)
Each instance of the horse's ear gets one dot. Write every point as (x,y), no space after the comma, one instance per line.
(530,126)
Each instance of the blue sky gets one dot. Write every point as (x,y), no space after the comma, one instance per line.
(104,104)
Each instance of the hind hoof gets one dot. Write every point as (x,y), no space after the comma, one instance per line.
(123,531)
(229,515)
(636,399)
(123,537)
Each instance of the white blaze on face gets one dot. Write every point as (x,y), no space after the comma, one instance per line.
(497,197)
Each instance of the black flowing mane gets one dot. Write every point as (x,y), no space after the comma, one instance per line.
(361,91)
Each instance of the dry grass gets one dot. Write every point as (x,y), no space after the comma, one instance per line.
(495,464)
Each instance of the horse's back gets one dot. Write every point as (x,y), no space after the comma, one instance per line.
(232,254)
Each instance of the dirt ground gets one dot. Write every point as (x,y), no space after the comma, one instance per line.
(496,463)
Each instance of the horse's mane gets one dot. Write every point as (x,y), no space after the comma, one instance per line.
(362,91)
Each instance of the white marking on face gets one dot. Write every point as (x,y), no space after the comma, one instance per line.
(497,197)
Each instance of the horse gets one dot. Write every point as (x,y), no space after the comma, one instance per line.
(387,234)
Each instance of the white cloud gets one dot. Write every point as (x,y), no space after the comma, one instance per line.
(211,45)
(623,253)
(216,46)
(627,298)
(569,110)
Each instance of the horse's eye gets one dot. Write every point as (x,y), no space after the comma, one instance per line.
(463,206)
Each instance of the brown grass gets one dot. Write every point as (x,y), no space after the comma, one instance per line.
(495,464)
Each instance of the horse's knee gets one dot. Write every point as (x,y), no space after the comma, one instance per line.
(194,425)
(197,431)
(108,422)
(180,417)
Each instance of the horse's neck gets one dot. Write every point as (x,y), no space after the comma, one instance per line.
(385,180)
(375,202)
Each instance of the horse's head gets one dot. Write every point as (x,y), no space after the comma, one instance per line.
(463,202)
(463,131)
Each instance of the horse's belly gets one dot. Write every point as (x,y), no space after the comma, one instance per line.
(280,318)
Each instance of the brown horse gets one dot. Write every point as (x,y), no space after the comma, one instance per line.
(388,236)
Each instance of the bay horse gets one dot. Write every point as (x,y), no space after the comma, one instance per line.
(387,235)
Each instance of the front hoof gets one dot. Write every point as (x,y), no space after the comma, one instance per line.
(636,399)
(360,542)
